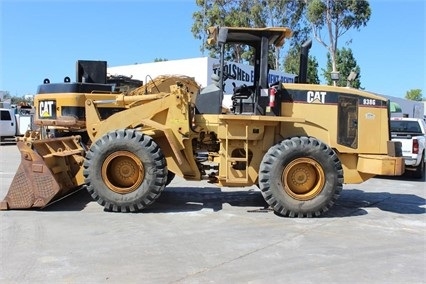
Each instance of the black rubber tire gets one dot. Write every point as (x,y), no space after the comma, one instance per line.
(419,173)
(321,159)
(143,150)
(170,177)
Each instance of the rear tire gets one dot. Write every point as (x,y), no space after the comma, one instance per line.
(170,177)
(420,169)
(125,170)
(300,177)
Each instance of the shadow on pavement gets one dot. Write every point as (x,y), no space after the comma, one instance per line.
(352,202)
(75,201)
(177,199)
(408,176)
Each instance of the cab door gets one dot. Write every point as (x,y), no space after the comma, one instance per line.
(348,122)
(7,123)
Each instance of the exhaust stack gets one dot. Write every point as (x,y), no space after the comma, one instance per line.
(303,65)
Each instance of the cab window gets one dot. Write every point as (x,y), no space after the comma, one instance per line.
(5,115)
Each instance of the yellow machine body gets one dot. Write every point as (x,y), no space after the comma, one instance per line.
(232,148)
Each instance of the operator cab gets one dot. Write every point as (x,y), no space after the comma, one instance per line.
(254,99)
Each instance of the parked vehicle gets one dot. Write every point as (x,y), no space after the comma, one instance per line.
(15,122)
(7,123)
(411,132)
(24,119)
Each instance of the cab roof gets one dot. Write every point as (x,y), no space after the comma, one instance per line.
(250,36)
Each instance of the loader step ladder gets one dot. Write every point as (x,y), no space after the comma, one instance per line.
(230,160)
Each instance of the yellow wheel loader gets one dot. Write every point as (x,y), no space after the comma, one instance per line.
(298,142)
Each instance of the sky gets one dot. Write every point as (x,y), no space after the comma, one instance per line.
(44,39)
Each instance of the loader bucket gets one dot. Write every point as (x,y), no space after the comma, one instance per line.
(49,170)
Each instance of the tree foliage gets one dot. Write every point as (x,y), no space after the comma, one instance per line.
(336,17)
(248,13)
(24,99)
(345,63)
(414,95)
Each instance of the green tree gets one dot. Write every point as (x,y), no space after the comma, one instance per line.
(414,95)
(248,13)
(286,13)
(345,63)
(292,61)
(336,17)
(24,99)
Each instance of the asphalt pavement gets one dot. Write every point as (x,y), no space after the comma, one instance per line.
(199,233)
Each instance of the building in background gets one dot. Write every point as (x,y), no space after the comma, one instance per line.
(408,108)
(200,68)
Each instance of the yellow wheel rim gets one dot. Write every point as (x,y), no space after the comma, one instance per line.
(123,172)
(303,179)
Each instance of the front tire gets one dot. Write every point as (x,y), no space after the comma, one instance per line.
(300,177)
(125,170)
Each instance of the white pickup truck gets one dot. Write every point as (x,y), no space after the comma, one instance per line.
(14,122)
(411,132)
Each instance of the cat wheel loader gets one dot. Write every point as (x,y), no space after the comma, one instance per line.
(298,142)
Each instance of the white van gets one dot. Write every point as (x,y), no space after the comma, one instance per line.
(7,123)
